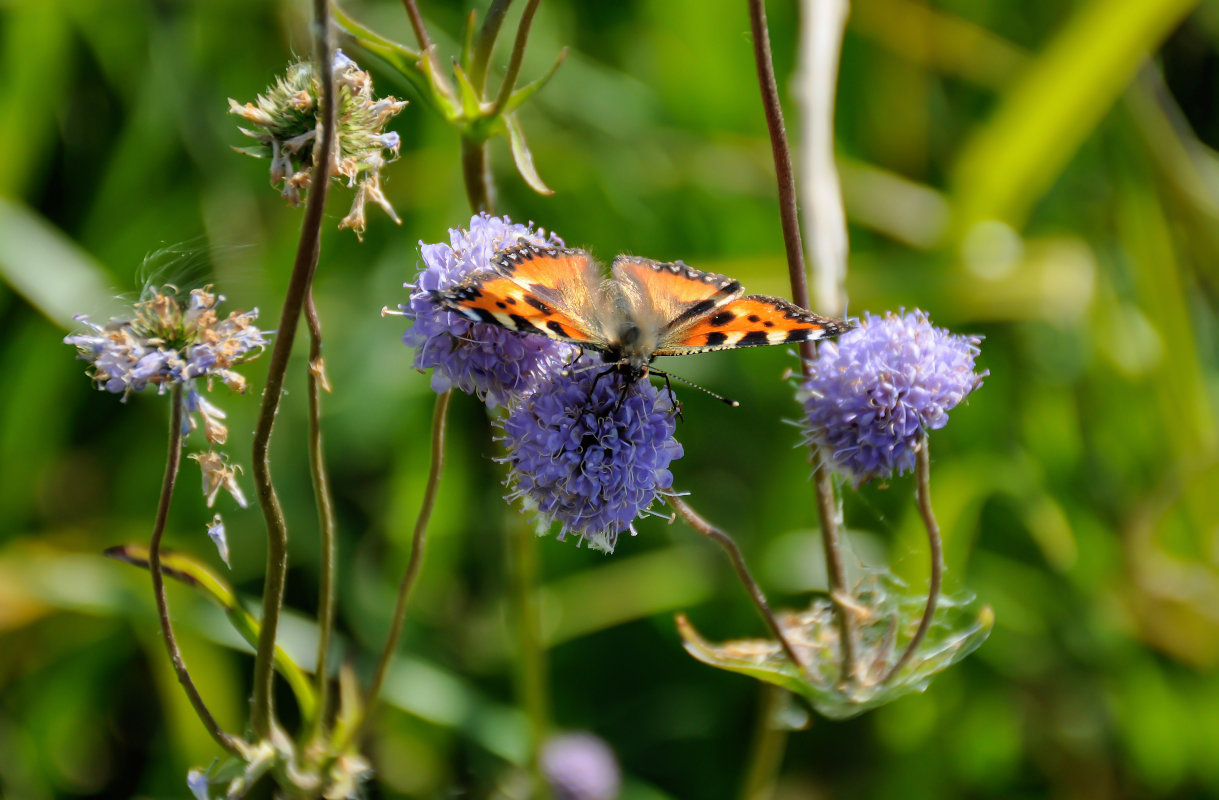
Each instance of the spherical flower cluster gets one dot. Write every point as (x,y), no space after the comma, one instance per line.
(580,766)
(590,451)
(166,342)
(877,390)
(492,363)
(287,126)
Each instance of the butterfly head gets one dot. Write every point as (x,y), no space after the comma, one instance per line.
(631,349)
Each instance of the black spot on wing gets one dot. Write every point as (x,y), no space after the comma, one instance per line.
(753,338)
(523,325)
(722,318)
(538,304)
(753,318)
(799,335)
(483,314)
(716,339)
(557,328)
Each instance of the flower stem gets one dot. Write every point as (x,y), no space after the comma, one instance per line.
(790,219)
(418,540)
(725,541)
(532,673)
(487,35)
(766,752)
(172,462)
(262,711)
(476,172)
(827,512)
(922,475)
(518,55)
(325,510)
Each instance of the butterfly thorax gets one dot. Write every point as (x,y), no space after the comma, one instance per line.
(630,350)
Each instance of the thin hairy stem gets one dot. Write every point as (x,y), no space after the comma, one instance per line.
(325,509)
(172,462)
(922,476)
(487,35)
(831,541)
(725,541)
(790,218)
(531,668)
(476,173)
(766,752)
(418,540)
(518,56)
(262,712)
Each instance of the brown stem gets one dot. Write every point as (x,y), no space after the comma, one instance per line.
(518,56)
(172,462)
(790,219)
(831,542)
(262,711)
(922,474)
(325,508)
(418,540)
(412,11)
(725,541)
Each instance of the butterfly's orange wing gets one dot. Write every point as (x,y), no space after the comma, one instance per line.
(532,289)
(747,322)
(667,296)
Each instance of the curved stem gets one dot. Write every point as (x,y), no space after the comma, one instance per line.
(518,56)
(262,711)
(922,473)
(725,541)
(418,540)
(325,509)
(831,542)
(172,462)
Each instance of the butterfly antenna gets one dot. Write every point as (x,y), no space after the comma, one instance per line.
(726,400)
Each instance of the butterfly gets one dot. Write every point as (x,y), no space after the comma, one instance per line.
(645,309)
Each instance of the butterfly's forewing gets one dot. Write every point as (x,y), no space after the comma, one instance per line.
(747,322)
(531,289)
(671,295)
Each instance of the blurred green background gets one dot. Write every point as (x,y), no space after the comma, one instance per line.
(1018,168)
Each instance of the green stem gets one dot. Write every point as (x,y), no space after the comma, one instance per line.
(766,752)
(725,541)
(476,173)
(262,712)
(518,56)
(831,542)
(418,540)
(486,42)
(325,510)
(172,462)
(922,473)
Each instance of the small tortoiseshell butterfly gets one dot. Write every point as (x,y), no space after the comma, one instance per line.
(646,309)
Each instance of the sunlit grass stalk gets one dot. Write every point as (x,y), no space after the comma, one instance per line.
(922,477)
(789,216)
(262,710)
(532,672)
(702,526)
(325,512)
(172,462)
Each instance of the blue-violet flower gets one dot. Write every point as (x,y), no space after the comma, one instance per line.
(590,451)
(495,364)
(879,388)
(580,766)
(167,341)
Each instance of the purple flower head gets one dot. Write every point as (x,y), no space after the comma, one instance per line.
(580,766)
(168,340)
(477,358)
(590,451)
(880,387)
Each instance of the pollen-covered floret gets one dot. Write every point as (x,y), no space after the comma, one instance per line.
(495,364)
(167,340)
(591,451)
(286,128)
(877,390)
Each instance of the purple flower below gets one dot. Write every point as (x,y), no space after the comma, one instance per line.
(877,390)
(590,452)
(580,766)
(495,364)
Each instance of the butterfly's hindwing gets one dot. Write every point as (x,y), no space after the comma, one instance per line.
(749,321)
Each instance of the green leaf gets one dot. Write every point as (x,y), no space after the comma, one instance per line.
(528,90)
(1045,116)
(471,104)
(47,268)
(187,570)
(885,615)
(522,156)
